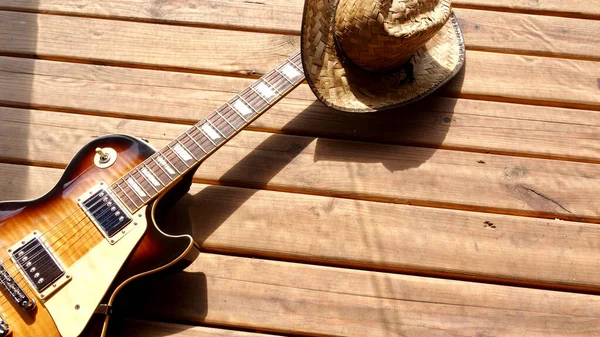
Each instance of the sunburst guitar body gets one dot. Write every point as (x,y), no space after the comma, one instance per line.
(66,255)
(54,240)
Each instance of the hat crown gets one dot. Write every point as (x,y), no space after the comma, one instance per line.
(380,35)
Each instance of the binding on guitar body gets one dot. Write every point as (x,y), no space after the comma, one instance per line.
(66,255)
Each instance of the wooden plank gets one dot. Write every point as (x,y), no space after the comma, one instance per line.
(530,34)
(205,49)
(281,16)
(277,16)
(439,122)
(133,328)
(435,122)
(304,299)
(142,43)
(400,174)
(530,79)
(371,235)
(539,80)
(574,8)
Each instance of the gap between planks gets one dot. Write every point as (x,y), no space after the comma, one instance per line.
(271,130)
(306,299)
(223,224)
(289,25)
(41,146)
(525,35)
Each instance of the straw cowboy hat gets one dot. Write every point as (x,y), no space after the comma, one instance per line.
(369,55)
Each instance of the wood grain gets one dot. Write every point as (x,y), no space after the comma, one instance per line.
(530,34)
(276,16)
(304,299)
(391,173)
(437,122)
(527,79)
(141,328)
(203,49)
(573,8)
(372,235)
(142,43)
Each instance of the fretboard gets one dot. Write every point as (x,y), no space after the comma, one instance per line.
(161,170)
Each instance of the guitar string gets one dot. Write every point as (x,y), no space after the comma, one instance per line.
(28,286)
(254,99)
(14,268)
(43,236)
(251,100)
(20,279)
(279,81)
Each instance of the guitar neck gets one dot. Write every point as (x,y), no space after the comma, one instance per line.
(161,170)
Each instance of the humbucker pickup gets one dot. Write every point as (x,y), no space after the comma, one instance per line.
(15,291)
(108,215)
(39,265)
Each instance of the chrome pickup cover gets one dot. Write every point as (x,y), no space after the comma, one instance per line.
(15,291)
(38,264)
(106,213)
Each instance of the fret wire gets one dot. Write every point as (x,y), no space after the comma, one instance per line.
(120,198)
(228,111)
(280,80)
(167,159)
(141,184)
(160,167)
(185,148)
(177,155)
(250,101)
(149,169)
(216,128)
(226,129)
(251,96)
(202,139)
(260,98)
(115,195)
(127,195)
(207,137)
(259,94)
(282,75)
(296,58)
(272,86)
(133,189)
(237,112)
(192,138)
(146,180)
(225,119)
(248,104)
(295,66)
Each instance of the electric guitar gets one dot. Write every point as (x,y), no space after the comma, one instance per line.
(66,255)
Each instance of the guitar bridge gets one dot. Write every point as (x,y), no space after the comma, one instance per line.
(14,290)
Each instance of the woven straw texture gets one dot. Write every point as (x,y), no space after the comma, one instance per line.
(340,83)
(382,35)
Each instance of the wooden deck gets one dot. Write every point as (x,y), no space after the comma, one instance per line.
(473,213)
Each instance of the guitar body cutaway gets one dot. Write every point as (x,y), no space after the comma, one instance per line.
(95,269)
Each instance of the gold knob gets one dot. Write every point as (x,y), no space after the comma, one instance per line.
(100,152)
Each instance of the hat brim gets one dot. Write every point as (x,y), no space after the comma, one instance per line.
(342,85)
